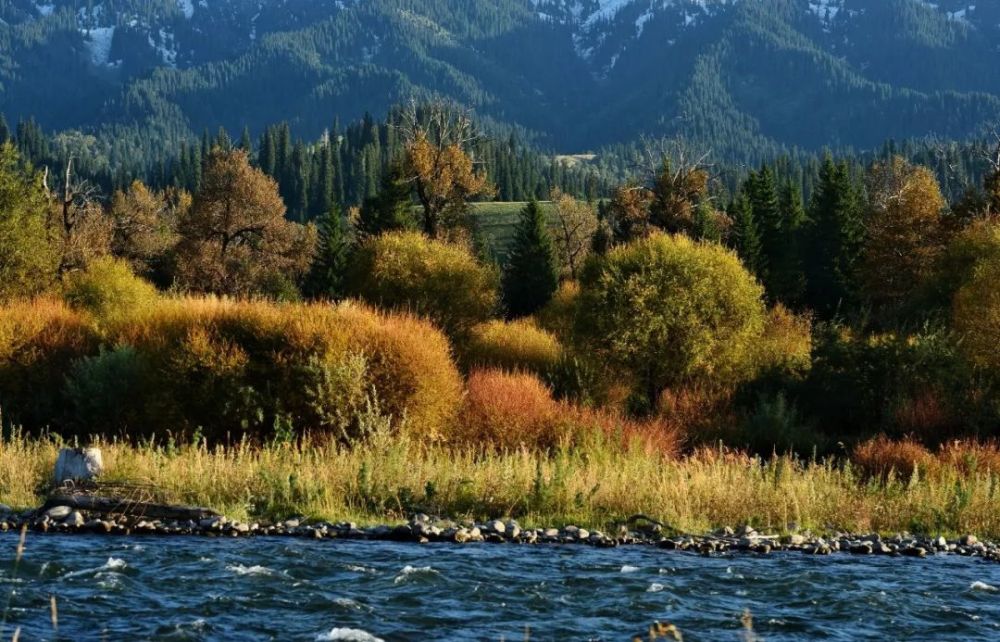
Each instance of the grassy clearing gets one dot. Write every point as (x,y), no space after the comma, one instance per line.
(494,223)
(593,486)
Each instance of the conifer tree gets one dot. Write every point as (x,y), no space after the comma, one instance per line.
(787,281)
(326,279)
(4,130)
(531,275)
(836,237)
(391,208)
(746,234)
(245,142)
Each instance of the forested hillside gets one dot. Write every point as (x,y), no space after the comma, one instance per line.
(750,79)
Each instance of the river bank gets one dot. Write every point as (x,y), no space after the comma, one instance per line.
(389,478)
(639,530)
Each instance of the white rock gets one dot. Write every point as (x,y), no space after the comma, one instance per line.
(78,464)
(58,512)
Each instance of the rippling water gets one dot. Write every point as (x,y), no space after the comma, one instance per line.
(213,589)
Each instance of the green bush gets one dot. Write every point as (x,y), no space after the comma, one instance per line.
(673,312)
(108,288)
(101,391)
(441,281)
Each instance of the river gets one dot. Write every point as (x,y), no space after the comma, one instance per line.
(146,588)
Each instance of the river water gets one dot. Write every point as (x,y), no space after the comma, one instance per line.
(144,588)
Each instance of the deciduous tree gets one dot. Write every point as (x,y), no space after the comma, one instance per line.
(235,239)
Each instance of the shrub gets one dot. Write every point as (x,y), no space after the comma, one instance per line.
(441,281)
(659,309)
(39,341)
(514,345)
(898,384)
(559,315)
(101,389)
(510,410)
(507,410)
(881,456)
(106,288)
(229,368)
(785,349)
(976,315)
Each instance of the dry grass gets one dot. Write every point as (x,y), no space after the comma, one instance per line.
(593,485)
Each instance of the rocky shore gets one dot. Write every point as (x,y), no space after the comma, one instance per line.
(640,531)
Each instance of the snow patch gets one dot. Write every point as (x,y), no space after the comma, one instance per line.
(187,8)
(98,41)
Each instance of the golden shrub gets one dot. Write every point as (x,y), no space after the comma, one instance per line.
(512,345)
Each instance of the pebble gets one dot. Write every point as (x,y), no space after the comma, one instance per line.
(423,528)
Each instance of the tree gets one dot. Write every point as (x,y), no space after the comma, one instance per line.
(786,280)
(904,233)
(439,280)
(391,209)
(29,257)
(746,234)
(672,312)
(235,239)
(438,165)
(576,224)
(676,193)
(836,235)
(144,226)
(628,213)
(328,273)
(976,315)
(531,275)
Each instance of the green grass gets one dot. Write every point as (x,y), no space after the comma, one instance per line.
(494,224)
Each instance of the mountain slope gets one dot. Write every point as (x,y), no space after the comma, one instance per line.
(741,75)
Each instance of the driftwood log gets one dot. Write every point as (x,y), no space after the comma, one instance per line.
(117,505)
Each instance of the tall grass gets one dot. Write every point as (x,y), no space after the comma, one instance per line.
(595,484)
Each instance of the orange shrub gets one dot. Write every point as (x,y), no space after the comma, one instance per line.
(509,410)
(971,457)
(512,345)
(880,456)
(512,410)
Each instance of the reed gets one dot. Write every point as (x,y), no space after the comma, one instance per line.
(596,484)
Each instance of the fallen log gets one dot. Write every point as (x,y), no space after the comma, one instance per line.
(131,508)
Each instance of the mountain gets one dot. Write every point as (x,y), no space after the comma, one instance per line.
(743,76)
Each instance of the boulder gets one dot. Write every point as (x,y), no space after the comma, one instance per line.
(78,464)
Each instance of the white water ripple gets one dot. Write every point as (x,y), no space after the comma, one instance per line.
(113,564)
(347,635)
(413,571)
(982,586)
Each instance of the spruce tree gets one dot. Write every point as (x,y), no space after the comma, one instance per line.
(835,240)
(391,209)
(245,142)
(770,226)
(746,234)
(326,278)
(4,130)
(531,275)
(787,281)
